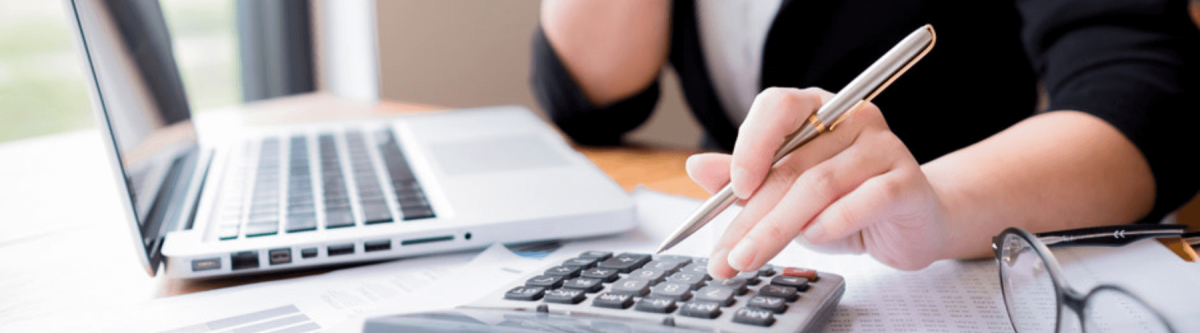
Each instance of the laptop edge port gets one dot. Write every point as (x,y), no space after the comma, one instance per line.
(310,252)
(339,249)
(426,240)
(243,260)
(206,264)
(377,245)
(281,256)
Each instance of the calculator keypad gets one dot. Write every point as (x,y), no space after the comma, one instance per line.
(668,284)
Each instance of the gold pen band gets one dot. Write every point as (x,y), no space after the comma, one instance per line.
(820,125)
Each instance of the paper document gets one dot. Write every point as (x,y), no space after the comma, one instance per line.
(949,296)
(954,296)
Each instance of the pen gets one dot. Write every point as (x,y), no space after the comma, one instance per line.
(858,92)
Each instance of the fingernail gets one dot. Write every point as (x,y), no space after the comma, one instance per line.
(719,253)
(739,178)
(690,165)
(815,231)
(742,256)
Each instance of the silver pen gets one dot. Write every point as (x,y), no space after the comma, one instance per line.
(857,93)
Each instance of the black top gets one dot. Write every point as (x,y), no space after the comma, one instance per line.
(1134,64)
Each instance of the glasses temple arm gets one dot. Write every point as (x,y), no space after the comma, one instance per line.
(1110,235)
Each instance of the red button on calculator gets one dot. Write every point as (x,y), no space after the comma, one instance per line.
(809,274)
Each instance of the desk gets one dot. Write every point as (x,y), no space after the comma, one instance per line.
(66,247)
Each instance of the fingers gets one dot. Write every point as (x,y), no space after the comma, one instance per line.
(775,113)
(709,170)
(884,216)
(811,193)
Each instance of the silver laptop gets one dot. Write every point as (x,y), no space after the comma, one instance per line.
(286,197)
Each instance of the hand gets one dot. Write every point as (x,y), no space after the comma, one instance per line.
(855,189)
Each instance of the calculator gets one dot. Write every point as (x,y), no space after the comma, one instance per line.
(600,291)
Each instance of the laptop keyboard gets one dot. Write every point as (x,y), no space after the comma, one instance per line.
(262,216)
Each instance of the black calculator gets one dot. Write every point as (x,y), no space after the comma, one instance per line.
(600,291)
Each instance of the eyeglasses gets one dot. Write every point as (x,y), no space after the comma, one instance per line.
(1038,298)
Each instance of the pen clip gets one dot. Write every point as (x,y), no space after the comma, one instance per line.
(890,79)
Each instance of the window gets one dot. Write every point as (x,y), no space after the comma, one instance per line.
(42,87)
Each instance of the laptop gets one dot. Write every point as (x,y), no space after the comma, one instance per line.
(285,197)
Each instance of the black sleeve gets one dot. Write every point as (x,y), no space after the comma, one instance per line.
(1132,63)
(564,102)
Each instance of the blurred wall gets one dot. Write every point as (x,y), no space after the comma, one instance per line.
(464,53)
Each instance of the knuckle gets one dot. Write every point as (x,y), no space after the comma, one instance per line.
(891,189)
(821,181)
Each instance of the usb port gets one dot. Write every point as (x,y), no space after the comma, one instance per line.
(206,264)
(340,249)
(243,260)
(281,256)
(377,245)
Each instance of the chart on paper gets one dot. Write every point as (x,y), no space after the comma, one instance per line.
(284,319)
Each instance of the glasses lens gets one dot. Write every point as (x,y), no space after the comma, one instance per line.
(1029,291)
(1110,310)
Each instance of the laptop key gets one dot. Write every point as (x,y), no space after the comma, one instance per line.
(339,218)
(300,223)
(261,229)
(416,213)
(376,214)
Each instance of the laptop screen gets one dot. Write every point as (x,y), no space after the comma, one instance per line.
(141,102)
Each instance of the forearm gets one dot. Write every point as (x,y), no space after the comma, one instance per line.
(613,49)
(1055,171)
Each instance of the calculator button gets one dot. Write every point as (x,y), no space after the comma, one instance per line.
(604,274)
(598,255)
(719,295)
(809,274)
(656,305)
(563,271)
(674,291)
(626,262)
(773,304)
(565,296)
(691,279)
(697,268)
(633,287)
(801,284)
(752,316)
(786,293)
(700,309)
(652,275)
(545,281)
(738,285)
(665,266)
(585,284)
(613,301)
(682,260)
(585,263)
(524,293)
(766,271)
(750,277)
